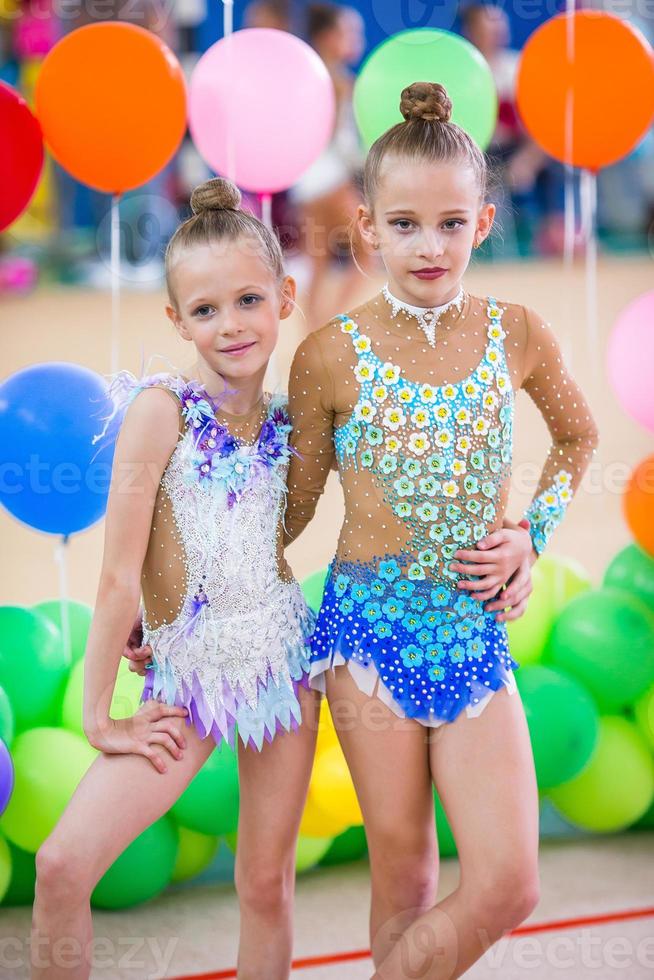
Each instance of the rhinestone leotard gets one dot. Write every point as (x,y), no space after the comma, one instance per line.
(422,438)
(227,622)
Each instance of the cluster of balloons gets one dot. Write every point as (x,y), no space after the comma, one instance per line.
(112,105)
(629,356)
(44,755)
(586,680)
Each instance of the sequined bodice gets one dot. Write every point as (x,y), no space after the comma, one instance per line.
(438,455)
(422,436)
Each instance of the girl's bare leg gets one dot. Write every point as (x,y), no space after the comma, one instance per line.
(273,785)
(388,758)
(116,800)
(483,769)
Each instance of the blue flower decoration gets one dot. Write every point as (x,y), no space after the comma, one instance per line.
(372,612)
(411,655)
(394,609)
(389,570)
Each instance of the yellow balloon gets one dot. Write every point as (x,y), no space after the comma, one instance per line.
(327,735)
(318,821)
(332,787)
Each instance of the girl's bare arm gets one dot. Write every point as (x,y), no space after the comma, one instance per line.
(146,441)
(572,428)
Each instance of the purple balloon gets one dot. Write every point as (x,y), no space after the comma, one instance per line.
(6,776)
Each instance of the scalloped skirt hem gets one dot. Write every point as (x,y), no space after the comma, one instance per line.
(369,682)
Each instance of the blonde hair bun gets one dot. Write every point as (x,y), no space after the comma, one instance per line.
(217,194)
(425,100)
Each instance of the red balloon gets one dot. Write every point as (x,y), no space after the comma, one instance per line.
(21,160)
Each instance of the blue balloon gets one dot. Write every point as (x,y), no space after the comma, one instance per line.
(52,477)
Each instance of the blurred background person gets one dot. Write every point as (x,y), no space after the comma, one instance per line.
(328,193)
(529,186)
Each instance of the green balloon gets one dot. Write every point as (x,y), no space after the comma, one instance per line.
(555,580)
(23,878)
(632,569)
(313,588)
(348,846)
(309,851)
(209,804)
(616,787)
(644,715)
(142,871)
(79,621)
(124,703)
(48,765)
(7,727)
(33,666)
(195,853)
(446,842)
(563,723)
(425,55)
(605,638)
(646,822)
(5,867)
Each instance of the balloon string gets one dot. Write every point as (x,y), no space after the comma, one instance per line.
(569,200)
(273,377)
(589,212)
(228,32)
(115,283)
(61,559)
(228,17)
(266,210)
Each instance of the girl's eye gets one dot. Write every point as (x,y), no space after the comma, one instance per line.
(203,311)
(250,296)
(402,221)
(453,223)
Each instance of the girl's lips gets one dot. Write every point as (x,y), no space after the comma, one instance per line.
(431,274)
(237,350)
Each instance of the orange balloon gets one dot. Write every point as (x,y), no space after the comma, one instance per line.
(638,504)
(111,100)
(610,79)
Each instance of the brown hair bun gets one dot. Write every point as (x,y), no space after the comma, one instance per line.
(425,100)
(217,194)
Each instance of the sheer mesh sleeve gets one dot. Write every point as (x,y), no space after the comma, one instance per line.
(570,422)
(311,410)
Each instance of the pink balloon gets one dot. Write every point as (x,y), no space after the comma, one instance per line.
(630,359)
(261,108)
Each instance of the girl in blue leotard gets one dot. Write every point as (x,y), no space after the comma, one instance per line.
(412,395)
